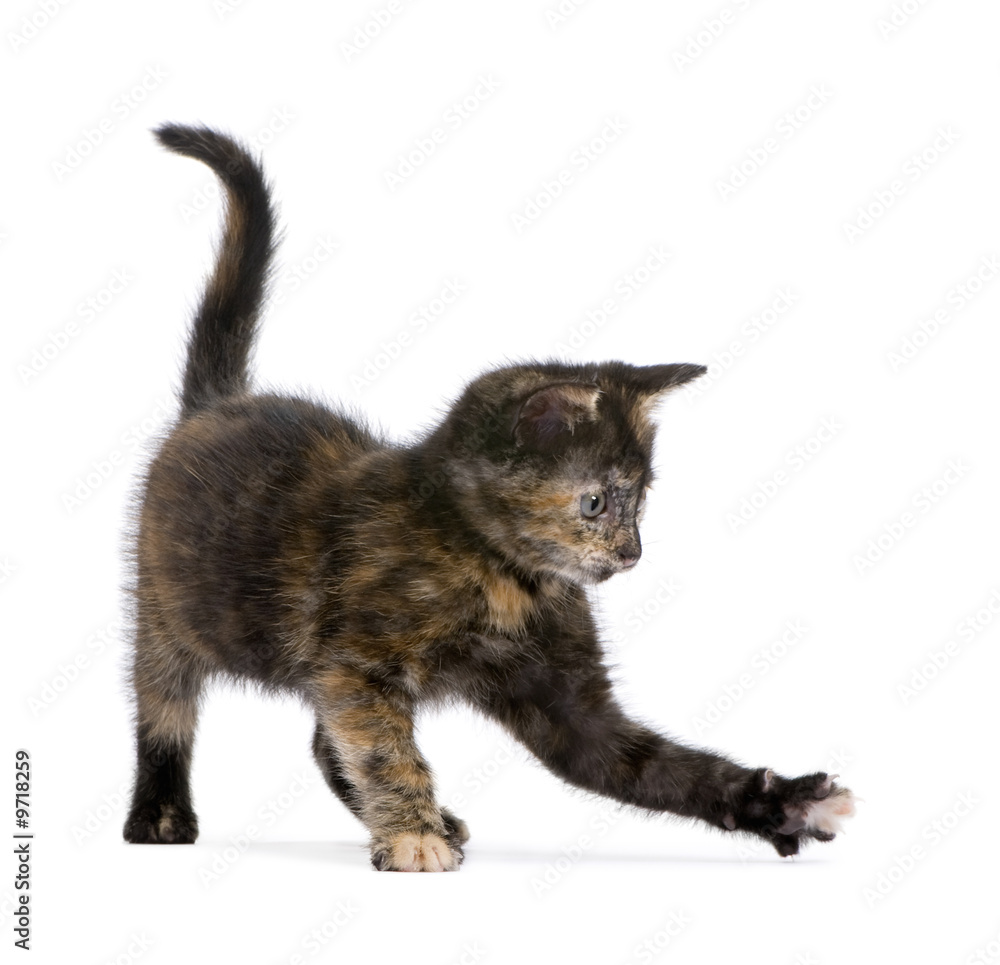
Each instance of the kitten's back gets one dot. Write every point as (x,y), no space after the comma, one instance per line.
(227,500)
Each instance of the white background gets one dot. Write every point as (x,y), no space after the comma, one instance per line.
(695,633)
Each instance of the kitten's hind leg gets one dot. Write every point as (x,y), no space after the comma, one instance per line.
(167,693)
(332,769)
(456,830)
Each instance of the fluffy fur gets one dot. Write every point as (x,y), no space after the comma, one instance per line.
(285,544)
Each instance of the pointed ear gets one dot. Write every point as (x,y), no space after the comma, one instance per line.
(653,380)
(548,413)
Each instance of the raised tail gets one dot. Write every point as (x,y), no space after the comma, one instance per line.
(225,324)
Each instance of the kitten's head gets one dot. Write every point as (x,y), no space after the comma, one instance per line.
(551,462)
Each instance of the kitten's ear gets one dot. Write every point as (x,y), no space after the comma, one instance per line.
(653,380)
(546,414)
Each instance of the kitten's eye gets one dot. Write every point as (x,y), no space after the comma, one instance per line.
(592,504)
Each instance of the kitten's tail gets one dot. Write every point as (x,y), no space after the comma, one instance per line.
(225,324)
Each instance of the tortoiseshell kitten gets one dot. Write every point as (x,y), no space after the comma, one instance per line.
(284,544)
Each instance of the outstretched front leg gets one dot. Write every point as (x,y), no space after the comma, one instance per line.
(559,704)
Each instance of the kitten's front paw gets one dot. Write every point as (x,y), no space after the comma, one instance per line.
(416,852)
(786,811)
(156,823)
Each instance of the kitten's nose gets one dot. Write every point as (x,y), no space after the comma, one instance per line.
(628,555)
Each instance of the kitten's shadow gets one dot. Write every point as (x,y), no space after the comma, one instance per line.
(356,853)
(327,852)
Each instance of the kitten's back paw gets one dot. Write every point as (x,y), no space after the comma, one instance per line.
(415,852)
(160,824)
(456,831)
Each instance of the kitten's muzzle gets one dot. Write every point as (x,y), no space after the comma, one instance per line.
(628,553)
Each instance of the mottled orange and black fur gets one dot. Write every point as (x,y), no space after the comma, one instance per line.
(285,544)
